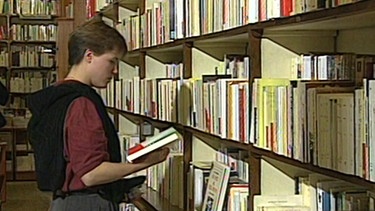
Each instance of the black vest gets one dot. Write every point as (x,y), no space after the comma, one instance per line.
(46,134)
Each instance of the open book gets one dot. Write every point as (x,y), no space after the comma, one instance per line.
(153,143)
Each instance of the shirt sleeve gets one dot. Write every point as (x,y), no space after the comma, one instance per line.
(85,137)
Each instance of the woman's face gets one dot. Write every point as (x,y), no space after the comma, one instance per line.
(103,68)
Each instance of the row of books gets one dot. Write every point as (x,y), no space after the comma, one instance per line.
(328,126)
(236,159)
(164,177)
(332,67)
(93,6)
(211,186)
(69,9)
(27,82)
(127,207)
(29,8)
(17,102)
(313,192)
(32,56)
(4,57)
(30,32)
(192,102)
(285,120)
(214,185)
(16,116)
(168,20)
(130,30)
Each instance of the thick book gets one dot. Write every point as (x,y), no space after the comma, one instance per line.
(216,187)
(162,139)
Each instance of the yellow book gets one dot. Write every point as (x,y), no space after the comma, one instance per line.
(263,107)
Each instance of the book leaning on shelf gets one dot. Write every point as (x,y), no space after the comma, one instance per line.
(216,187)
(162,139)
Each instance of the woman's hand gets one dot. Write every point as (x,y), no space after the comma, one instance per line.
(154,157)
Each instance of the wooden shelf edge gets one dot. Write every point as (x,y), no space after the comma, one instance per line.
(160,124)
(132,5)
(311,16)
(143,205)
(321,14)
(311,168)
(164,124)
(35,42)
(255,150)
(226,142)
(151,200)
(108,14)
(29,175)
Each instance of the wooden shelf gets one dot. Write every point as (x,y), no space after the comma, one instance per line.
(132,58)
(109,11)
(130,4)
(65,19)
(20,93)
(32,68)
(295,168)
(356,15)
(19,153)
(169,52)
(229,35)
(33,42)
(216,141)
(291,166)
(137,118)
(349,16)
(247,39)
(151,200)
(212,139)
(25,176)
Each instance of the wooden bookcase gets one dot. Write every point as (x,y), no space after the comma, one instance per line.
(46,35)
(344,28)
(28,43)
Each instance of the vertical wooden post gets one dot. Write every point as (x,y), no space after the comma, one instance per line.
(187,60)
(65,27)
(142,75)
(254,51)
(79,12)
(142,65)
(116,115)
(188,140)
(187,136)
(254,176)
(142,6)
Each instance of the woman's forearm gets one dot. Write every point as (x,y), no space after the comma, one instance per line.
(108,172)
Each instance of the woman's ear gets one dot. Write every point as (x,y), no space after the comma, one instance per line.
(89,54)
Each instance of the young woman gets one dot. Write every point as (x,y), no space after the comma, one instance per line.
(74,114)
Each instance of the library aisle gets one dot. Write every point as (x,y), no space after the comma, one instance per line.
(23,196)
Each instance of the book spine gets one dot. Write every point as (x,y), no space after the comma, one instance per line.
(136,149)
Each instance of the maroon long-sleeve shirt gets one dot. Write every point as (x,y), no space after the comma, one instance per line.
(86,143)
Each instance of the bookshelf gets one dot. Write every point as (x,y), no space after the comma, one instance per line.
(29,54)
(271,44)
(28,61)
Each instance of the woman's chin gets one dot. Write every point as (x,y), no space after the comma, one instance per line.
(100,86)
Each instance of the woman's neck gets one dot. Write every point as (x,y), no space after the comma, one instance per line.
(76,74)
